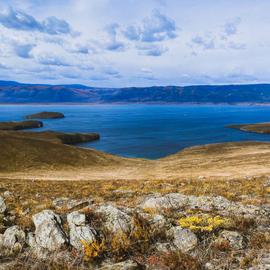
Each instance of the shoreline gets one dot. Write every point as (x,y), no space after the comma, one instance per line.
(134,103)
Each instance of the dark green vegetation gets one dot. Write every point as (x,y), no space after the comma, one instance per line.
(262,128)
(13,92)
(45,115)
(20,125)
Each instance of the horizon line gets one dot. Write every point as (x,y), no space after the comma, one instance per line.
(98,87)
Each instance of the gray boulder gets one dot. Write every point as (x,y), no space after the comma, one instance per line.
(183,239)
(79,232)
(49,233)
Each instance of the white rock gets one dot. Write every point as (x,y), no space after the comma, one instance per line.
(3,206)
(49,233)
(79,232)
(12,236)
(183,239)
(115,220)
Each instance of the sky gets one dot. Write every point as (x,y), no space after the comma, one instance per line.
(119,43)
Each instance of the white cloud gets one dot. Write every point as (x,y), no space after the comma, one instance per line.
(125,43)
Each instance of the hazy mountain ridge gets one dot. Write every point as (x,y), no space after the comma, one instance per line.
(14,92)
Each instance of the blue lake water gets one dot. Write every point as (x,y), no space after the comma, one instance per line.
(149,131)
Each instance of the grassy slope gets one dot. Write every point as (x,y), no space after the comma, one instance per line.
(20,153)
(27,158)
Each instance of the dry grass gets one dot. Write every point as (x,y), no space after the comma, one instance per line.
(34,196)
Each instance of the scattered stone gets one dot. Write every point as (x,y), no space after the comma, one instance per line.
(263,262)
(3,206)
(267,183)
(12,236)
(209,266)
(126,265)
(1,240)
(177,201)
(30,240)
(79,231)
(71,204)
(7,194)
(172,201)
(49,233)
(234,239)
(164,247)
(114,219)
(183,239)
(157,223)
(124,193)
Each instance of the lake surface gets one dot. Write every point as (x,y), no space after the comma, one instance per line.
(148,131)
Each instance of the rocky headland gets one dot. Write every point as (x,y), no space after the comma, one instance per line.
(20,125)
(262,128)
(46,115)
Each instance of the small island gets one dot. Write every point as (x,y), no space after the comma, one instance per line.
(45,115)
(20,125)
(261,128)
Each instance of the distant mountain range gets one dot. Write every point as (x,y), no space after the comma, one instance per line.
(14,92)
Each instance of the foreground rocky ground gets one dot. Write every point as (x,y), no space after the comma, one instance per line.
(178,224)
